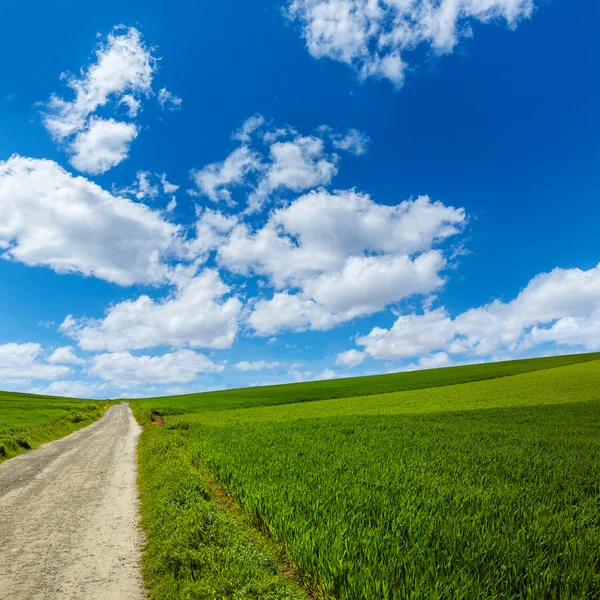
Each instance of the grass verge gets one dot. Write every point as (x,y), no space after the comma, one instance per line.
(194,549)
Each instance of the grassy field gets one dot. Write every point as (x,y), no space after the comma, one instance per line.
(28,420)
(482,489)
(354,386)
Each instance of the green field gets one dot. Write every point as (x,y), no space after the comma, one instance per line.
(354,386)
(484,483)
(28,420)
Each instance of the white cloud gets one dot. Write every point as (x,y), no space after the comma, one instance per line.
(65,356)
(560,307)
(296,165)
(256,365)
(326,374)
(102,145)
(346,255)
(172,205)
(411,335)
(196,314)
(124,370)
(123,70)
(250,125)
(374,35)
(214,179)
(431,361)
(132,103)
(148,185)
(49,217)
(293,163)
(120,77)
(168,188)
(24,362)
(72,389)
(168,100)
(350,358)
(354,141)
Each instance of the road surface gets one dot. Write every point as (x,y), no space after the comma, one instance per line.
(69,516)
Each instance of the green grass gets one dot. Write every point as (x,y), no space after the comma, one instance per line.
(193,548)
(488,489)
(355,386)
(28,420)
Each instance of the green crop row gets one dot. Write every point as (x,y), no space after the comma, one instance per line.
(482,490)
(194,549)
(354,386)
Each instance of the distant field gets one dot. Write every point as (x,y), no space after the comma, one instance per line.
(355,386)
(487,489)
(28,420)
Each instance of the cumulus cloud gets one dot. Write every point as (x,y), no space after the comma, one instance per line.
(23,362)
(271,161)
(102,145)
(125,370)
(196,314)
(65,356)
(215,179)
(298,164)
(374,36)
(49,217)
(560,308)
(346,255)
(124,68)
(72,389)
(119,78)
(351,358)
(255,365)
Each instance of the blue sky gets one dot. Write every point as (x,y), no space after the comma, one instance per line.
(229,194)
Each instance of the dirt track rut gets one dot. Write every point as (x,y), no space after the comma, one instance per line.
(68,516)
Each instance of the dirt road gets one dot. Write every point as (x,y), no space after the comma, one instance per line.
(68,516)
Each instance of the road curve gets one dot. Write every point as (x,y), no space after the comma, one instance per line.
(69,516)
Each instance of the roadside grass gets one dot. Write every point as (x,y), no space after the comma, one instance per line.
(194,549)
(354,386)
(28,420)
(488,489)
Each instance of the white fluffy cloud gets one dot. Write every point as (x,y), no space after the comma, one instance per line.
(49,217)
(373,36)
(102,145)
(351,358)
(560,307)
(215,179)
(293,162)
(65,356)
(24,362)
(120,77)
(298,164)
(255,365)
(125,370)
(72,389)
(346,255)
(195,315)
(124,69)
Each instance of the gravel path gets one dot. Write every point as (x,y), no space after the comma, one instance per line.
(68,516)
